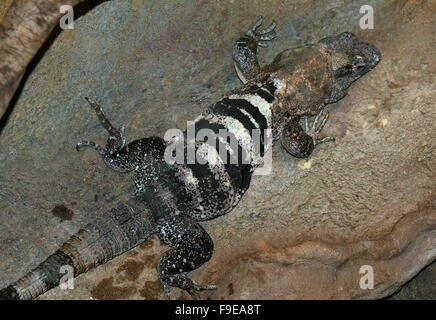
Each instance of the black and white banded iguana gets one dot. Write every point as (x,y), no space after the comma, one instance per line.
(173,197)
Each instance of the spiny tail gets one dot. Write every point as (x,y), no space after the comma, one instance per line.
(114,232)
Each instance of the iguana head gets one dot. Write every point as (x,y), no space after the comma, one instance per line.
(350,60)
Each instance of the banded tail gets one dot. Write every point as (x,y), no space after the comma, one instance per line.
(112,233)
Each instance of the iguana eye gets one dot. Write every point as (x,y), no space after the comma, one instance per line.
(344,71)
(360,67)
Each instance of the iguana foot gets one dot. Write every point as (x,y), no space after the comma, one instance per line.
(116,140)
(300,141)
(114,153)
(197,287)
(315,128)
(185,283)
(266,34)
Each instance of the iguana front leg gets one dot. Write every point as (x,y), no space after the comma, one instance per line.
(245,50)
(300,142)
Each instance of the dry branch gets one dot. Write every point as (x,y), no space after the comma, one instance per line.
(25,27)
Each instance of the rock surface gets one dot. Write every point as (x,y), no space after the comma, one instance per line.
(302,232)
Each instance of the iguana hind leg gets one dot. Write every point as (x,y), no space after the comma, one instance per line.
(191,246)
(116,138)
(117,155)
